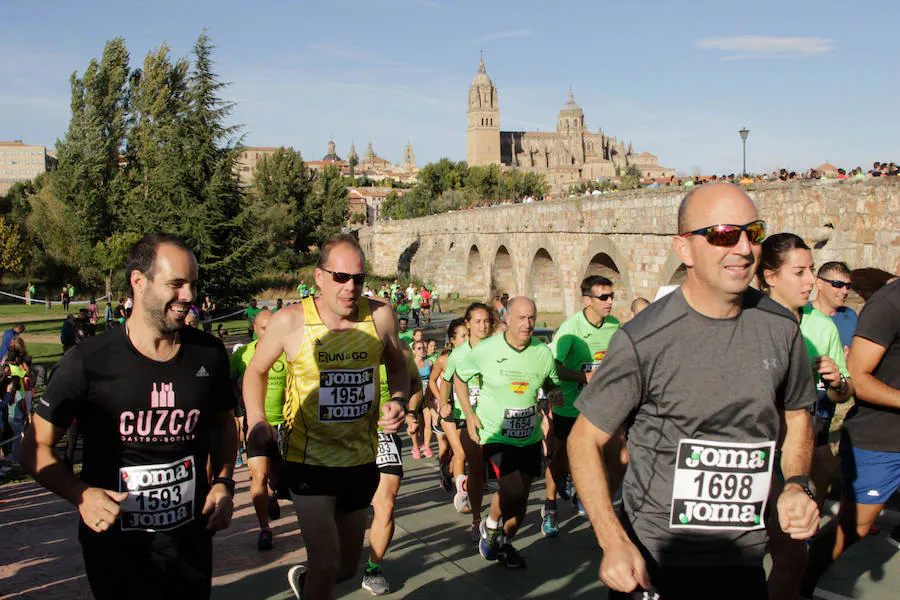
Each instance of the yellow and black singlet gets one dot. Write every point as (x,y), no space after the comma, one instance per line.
(331,407)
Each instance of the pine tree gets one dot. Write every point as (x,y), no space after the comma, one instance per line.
(282,187)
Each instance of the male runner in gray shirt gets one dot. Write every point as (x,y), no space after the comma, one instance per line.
(702,380)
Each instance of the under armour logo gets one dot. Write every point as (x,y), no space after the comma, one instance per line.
(648,596)
(770,363)
(501,360)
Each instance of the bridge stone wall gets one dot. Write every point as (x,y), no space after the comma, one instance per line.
(544,249)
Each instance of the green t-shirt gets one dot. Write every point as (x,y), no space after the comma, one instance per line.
(457,356)
(71,291)
(416,301)
(31,289)
(277,380)
(822,339)
(403,309)
(510,381)
(580,346)
(303,289)
(394,288)
(406,336)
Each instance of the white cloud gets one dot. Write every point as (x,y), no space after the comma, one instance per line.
(502,35)
(755,46)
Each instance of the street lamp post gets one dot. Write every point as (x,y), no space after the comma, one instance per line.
(744,133)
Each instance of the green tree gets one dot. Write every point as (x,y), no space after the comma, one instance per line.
(10,247)
(87,174)
(282,187)
(631,178)
(327,210)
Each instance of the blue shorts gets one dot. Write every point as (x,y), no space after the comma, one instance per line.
(871,476)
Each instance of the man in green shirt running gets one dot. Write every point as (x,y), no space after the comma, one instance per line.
(250,313)
(404,332)
(303,289)
(415,303)
(264,463)
(507,421)
(578,346)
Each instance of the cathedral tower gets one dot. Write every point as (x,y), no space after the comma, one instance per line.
(483,131)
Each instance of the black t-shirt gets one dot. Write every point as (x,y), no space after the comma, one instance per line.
(700,400)
(870,426)
(145,424)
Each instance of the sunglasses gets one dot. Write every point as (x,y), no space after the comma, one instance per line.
(338,277)
(730,235)
(837,284)
(602,297)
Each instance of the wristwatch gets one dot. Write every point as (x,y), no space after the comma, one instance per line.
(842,385)
(227,482)
(805,482)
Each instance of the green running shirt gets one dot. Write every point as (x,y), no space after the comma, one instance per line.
(457,356)
(822,339)
(580,346)
(274,404)
(510,381)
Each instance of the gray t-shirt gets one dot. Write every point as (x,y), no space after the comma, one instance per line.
(701,401)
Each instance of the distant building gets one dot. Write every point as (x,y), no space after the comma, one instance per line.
(248,159)
(572,154)
(368,201)
(22,162)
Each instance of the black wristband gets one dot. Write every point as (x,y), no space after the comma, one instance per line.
(228,483)
(805,482)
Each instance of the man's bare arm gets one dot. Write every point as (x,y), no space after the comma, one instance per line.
(865,356)
(394,360)
(41,462)
(586,443)
(797,449)
(282,325)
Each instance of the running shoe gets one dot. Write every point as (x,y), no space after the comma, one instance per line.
(239,462)
(461,503)
(490,542)
(893,537)
(274,509)
(581,511)
(447,482)
(415,452)
(426,450)
(297,577)
(475,532)
(510,557)
(549,523)
(375,583)
(264,541)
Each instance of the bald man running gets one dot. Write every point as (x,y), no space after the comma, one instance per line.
(701,441)
(265,463)
(507,421)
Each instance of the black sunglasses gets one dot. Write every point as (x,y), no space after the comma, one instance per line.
(729,235)
(837,284)
(338,277)
(602,297)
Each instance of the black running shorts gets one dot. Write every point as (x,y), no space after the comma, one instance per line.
(353,487)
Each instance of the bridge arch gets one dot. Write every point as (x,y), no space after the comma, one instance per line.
(544,282)
(603,257)
(404,261)
(672,273)
(503,272)
(475,284)
(868,280)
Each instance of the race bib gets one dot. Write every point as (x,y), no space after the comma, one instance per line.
(474,393)
(519,423)
(160,497)
(721,485)
(345,395)
(588,368)
(388,451)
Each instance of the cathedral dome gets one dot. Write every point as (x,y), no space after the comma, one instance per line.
(481,78)
(571,106)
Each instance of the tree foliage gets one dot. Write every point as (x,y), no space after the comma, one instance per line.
(10,247)
(446,185)
(147,149)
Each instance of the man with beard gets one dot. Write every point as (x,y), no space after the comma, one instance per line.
(155,402)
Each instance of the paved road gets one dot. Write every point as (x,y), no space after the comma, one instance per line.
(431,556)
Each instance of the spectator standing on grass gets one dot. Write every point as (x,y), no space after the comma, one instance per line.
(8,336)
(109,316)
(93,311)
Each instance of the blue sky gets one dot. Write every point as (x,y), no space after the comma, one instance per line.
(813,81)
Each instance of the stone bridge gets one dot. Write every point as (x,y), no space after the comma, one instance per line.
(545,249)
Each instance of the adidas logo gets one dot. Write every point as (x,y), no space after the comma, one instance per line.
(202,372)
